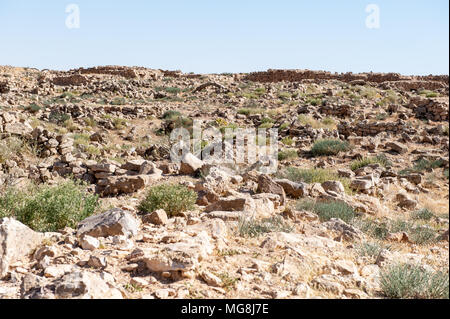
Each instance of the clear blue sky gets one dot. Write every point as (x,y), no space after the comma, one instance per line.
(210,36)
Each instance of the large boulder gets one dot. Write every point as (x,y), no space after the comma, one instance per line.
(18,128)
(397,147)
(267,185)
(182,256)
(125,184)
(16,242)
(110,223)
(333,186)
(190,164)
(292,189)
(232,203)
(85,285)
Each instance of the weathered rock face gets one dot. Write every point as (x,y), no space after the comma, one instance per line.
(84,285)
(344,230)
(267,185)
(110,223)
(182,256)
(232,203)
(158,217)
(126,184)
(71,80)
(190,164)
(397,147)
(16,241)
(334,186)
(18,128)
(292,189)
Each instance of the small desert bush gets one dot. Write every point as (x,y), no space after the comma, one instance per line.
(422,214)
(417,234)
(249,227)
(287,141)
(118,101)
(174,199)
(247,111)
(309,120)
(422,165)
(370,249)
(173,90)
(382,116)
(328,209)
(379,159)
(408,281)
(49,208)
(10,147)
(329,147)
(287,154)
(57,117)
(284,96)
(171,114)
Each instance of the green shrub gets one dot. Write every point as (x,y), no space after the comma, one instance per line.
(423,214)
(422,165)
(287,154)
(287,141)
(249,227)
(418,234)
(284,126)
(58,117)
(370,249)
(10,147)
(329,147)
(328,209)
(49,208)
(174,199)
(413,282)
(172,90)
(118,101)
(380,159)
(169,115)
(382,116)
(284,95)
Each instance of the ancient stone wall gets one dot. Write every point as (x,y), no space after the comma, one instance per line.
(125,72)
(301,75)
(366,128)
(430,109)
(71,80)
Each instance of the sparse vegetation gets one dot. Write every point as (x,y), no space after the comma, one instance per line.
(48,208)
(287,154)
(329,147)
(174,199)
(379,159)
(249,227)
(328,209)
(422,165)
(313,175)
(414,282)
(423,214)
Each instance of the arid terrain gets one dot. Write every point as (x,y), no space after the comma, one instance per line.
(91,205)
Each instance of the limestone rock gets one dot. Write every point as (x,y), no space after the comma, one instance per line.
(110,223)
(16,241)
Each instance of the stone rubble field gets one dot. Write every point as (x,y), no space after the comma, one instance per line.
(91,206)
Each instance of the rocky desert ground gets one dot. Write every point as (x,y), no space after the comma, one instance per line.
(92,206)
